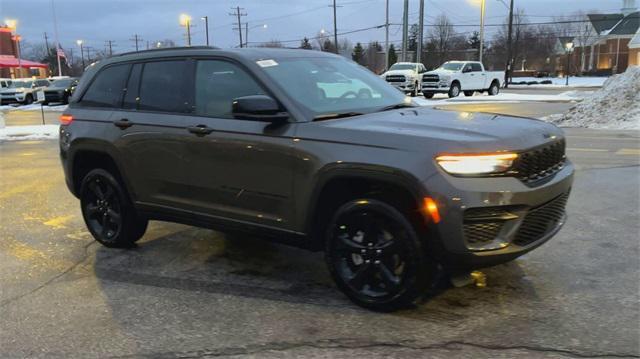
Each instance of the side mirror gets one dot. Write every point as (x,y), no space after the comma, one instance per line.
(258,108)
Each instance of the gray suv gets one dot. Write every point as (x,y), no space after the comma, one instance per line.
(310,149)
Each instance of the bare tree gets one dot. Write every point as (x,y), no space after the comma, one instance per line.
(582,33)
(441,35)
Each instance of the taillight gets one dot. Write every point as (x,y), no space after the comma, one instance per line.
(66,119)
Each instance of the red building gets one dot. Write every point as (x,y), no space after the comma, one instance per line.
(10,65)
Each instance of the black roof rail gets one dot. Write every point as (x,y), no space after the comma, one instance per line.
(169,48)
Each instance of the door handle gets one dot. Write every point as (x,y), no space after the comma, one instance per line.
(123,123)
(200,130)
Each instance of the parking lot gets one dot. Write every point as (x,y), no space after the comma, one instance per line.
(195,293)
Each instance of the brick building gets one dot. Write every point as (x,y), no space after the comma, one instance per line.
(10,65)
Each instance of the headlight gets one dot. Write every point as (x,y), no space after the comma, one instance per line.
(476,164)
(445,78)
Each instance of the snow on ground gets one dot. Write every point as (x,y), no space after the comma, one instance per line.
(583,81)
(21,133)
(33,107)
(443,99)
(615,106)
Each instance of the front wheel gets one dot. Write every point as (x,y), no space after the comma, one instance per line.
(375,257)
(454,91)
(28,100)
(469,93)
(415,91)
(107,211)
(428,94)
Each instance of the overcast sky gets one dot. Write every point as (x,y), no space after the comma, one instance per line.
(96,21)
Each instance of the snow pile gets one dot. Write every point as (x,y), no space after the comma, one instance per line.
(1,121)
(22,133)
(443,99)
(615,106)
(558,82)
(33,107)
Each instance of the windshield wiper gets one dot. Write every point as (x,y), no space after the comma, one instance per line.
(396,106)
(330,116)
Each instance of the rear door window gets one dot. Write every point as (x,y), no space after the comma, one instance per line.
(107,88)
(164,86)
(131,91)
(476,67)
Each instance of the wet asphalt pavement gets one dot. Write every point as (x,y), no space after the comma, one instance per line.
(195,293)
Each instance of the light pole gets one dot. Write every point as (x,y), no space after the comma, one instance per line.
(185,20)
(569,47)
(80,42)
(482,12)
(206,27)
(246,32)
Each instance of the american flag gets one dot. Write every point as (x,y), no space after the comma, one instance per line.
(60,52)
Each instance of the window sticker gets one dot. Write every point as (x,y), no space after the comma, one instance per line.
(267,63)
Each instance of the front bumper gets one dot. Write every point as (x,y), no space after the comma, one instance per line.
(404,86)
(17,98)
(526,217)
(435,87)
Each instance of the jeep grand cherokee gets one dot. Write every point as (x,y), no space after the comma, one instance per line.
(310,148)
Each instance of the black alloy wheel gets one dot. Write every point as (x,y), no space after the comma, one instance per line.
(107,212)
(375,257)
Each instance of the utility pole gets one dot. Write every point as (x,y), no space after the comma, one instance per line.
(246,34)
(110,45)
(206,27)
(55,32)
(482,12)
(238,14)
(335,27)
(88,49)
(80,42)
(136,39)
(386,39)
(420,33)
(405,29)
(507,70)
(46,43)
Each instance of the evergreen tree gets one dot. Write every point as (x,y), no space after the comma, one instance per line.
(305,44)
(393,57)
(358,54)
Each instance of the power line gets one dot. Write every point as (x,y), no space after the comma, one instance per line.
(238,14)
(110,44)
(136,39)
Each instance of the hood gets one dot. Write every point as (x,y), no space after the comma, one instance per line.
(426,129)
(441,72)
(52,88)
(400,72)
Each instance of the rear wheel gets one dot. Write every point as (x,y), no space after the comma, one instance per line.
(107,211)
(415,91)
(494,89)
(28,100)
(469,93)
(454,90)
(428,94)
(375,257)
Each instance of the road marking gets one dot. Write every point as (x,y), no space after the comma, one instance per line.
(629,152)
(24,252)
(58,222)
(637,139)
(587,149)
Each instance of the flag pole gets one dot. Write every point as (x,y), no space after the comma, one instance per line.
(55,31)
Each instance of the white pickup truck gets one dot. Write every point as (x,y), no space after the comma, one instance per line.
(454,77)
(405,76)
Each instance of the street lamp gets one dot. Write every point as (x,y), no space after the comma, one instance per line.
(79,43)
(569,47)
(482,13)
(185,20)
(246,31)
(158,44)
(206,27)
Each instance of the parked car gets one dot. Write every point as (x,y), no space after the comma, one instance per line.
(405,76)
(4,83)
(263,141)
(60,90)
(466,76)
(22,91)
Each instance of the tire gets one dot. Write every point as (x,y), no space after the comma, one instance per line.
(415,91)
(375,257)
(454,90)
(107,211)
(65,100)
(469,93)
(428,94)
(494,89)
(28,100)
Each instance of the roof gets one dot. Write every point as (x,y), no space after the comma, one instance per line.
(604,22)
(628,26)
(635,41)
(10,61)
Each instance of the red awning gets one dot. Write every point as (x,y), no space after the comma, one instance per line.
(10,61)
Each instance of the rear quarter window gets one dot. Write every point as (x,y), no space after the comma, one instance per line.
(165,86)
(106,89)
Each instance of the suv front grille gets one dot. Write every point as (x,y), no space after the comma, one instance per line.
(480,233)
(541,220)
(483,224)
(395,78)
(540,163)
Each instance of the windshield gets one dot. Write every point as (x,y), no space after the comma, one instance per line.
(62,83)
(328,85)
(452,66)
(18,84)
(403,67)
